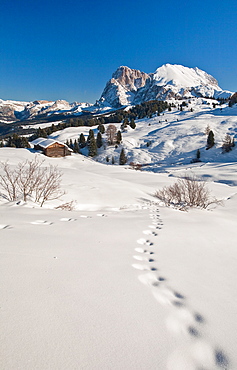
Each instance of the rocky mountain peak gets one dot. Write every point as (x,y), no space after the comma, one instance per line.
(130,78)
(130,86)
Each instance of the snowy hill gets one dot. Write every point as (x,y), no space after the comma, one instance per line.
(171,138)
(129,86)
(121,281)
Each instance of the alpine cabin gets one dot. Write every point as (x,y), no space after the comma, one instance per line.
(51,148)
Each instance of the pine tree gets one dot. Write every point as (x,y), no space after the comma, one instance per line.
(210,140)
(101,128)
(119,137)
(76,147)
(41,132)
(198,154)
(122,157)
(112,160)
(124,124)
(82,141)
(70,144)
(132,123)
(99,142)
(91,143)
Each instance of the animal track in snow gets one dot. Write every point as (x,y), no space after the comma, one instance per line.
(148,279)
(147,232)
(41,222)
(141,267)
(67,219)
(143,241)
(141,250)
(4,226)
(198,353)
(141,258)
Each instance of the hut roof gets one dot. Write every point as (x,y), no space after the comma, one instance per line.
(45,143)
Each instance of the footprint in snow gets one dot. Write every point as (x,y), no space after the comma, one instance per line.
(147,232)
(4,226)
(67,219)
(141,250)
(148,279)
(141,258)
(143,267)
(143,241)
(41,222)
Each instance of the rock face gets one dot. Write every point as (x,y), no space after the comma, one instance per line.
(130,86)
(123,86)
(9,109)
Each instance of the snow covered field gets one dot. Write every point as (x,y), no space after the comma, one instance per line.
(122,282)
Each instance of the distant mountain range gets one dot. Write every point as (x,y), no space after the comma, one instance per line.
(10,111)
(126,87)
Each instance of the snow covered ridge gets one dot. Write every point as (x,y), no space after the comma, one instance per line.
(17,110)
(130,86)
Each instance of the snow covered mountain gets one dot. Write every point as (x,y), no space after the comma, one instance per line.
(130,86)
(9,109)
(127,86)
(16,110)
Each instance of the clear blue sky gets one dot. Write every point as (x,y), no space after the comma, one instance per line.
(69,49)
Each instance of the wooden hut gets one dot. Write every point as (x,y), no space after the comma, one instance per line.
(51,148)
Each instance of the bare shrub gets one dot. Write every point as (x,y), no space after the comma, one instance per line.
(207,130)
(49,186)
(8,182)
(227,144)
(111,133)
(30,180)
(29,177)
(136,166)
(69,206)
(186,192)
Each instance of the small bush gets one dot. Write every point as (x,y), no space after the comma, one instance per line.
(29,180)
(186,192)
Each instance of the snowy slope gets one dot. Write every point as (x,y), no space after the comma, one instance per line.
(120,282)
(185,78)
(172,138)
